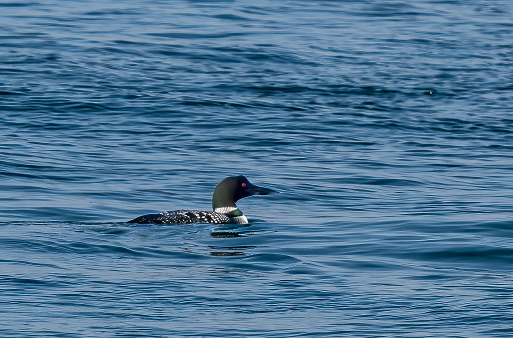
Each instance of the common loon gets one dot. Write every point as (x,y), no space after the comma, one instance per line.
(229,191)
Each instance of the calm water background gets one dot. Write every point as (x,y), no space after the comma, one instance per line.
(386,126)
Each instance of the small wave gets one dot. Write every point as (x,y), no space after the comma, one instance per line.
(498,258)
(272,258)
(231,17)
(181,35)
(27,282)
(17,4)
(3,92)
(375,181)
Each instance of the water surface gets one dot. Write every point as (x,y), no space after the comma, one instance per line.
(385,125)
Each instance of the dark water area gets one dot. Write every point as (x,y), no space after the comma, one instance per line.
(385,125)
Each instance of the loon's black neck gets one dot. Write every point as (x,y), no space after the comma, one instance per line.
(224,194)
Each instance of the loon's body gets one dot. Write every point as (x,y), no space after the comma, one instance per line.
(229,191)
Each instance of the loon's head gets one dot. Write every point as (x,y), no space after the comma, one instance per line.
(232,189)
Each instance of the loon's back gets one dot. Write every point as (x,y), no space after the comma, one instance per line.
(183,217)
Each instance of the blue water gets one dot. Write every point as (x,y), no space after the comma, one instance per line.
(386,126)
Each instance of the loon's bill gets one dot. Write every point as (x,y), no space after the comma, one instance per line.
(229,191)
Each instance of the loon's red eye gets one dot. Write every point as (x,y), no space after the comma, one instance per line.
(243,185)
